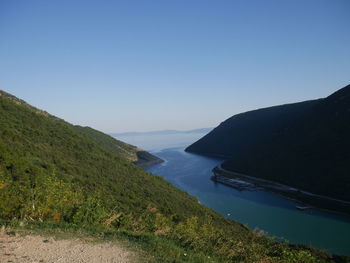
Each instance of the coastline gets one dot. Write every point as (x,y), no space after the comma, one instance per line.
(145,159)
(309,200)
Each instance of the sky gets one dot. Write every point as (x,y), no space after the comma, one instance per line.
(145,65)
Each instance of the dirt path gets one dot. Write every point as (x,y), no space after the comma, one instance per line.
(37,249)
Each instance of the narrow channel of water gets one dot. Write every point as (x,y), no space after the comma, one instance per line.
(257,209)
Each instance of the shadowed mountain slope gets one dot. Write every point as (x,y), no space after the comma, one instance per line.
(305,145)
(245,130)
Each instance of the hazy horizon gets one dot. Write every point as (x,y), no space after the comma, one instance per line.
(137,66)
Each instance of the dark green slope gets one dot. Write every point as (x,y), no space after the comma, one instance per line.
(52,171)
(312,152)
(243,131)
(305,145)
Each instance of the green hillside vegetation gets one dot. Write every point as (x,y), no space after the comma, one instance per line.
(305,145)
(109,143)
(132,153)
(52,171)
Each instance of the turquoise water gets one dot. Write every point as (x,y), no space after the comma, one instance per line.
(257,209)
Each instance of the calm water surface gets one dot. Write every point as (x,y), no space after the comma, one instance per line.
(257,209)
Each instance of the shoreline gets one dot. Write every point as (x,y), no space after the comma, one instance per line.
(145,160)
(309,200)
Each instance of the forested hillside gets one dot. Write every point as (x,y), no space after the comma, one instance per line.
(37,148)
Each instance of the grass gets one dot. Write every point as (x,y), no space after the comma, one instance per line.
(147,247)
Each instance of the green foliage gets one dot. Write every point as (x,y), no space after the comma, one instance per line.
(289,256)
(37,196)
(89,212)
(109,143)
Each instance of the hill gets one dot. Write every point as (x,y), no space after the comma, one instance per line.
(35,144)
(304,145)
(239,132)
(52,171)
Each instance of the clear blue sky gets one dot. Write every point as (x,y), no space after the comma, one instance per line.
(170,64)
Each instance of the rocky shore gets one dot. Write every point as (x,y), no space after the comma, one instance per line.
(145,159)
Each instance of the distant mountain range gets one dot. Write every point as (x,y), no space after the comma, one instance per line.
(304,145)
(162,132)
